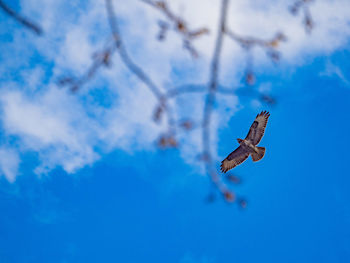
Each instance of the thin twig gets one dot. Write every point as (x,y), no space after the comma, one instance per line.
(100,59)
(179,25)
(187,88)
(307,19)
(247,43)
(20,19)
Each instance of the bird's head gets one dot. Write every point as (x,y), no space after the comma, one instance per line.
(239,141)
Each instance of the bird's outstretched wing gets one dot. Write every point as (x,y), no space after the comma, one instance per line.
(235,158)
(256,131)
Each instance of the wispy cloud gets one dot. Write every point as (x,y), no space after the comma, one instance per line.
(334,70)
(9,163)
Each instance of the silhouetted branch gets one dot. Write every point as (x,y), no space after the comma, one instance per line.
(22,20)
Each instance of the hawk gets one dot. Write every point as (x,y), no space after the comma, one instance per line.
(248,145)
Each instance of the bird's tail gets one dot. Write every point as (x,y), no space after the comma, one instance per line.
(260,154)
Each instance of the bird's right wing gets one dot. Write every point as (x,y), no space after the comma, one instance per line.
(235,158)
(257,129)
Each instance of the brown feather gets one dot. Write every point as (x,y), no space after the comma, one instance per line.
(235,158)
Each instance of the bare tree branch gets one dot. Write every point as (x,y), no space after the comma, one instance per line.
(20,19)
(210,100)
(247,43)
(113,22)
(187,88)
(100,59)
(179,25)
(303,5)
(167,139)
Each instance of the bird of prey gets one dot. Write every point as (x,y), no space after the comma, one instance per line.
(248,146)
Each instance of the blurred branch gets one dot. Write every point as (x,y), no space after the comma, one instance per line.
(187,88)
(100,59)
(168,139)
(113,22)
(247,43)
(20,19)
(179,25)
(304,6)
(208,108)
(250,42)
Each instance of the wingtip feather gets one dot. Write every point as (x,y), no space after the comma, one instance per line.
(222,169)
(264,113)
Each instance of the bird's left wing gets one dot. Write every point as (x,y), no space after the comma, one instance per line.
(235,158)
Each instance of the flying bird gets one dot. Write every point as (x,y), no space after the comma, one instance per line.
(248,146)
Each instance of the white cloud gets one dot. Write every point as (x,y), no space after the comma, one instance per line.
(52,125)
(9,163)
(74,130)
(66,132)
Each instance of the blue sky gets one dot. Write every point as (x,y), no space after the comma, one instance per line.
(81,179)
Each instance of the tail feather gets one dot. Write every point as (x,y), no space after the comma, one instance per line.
(259,155)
